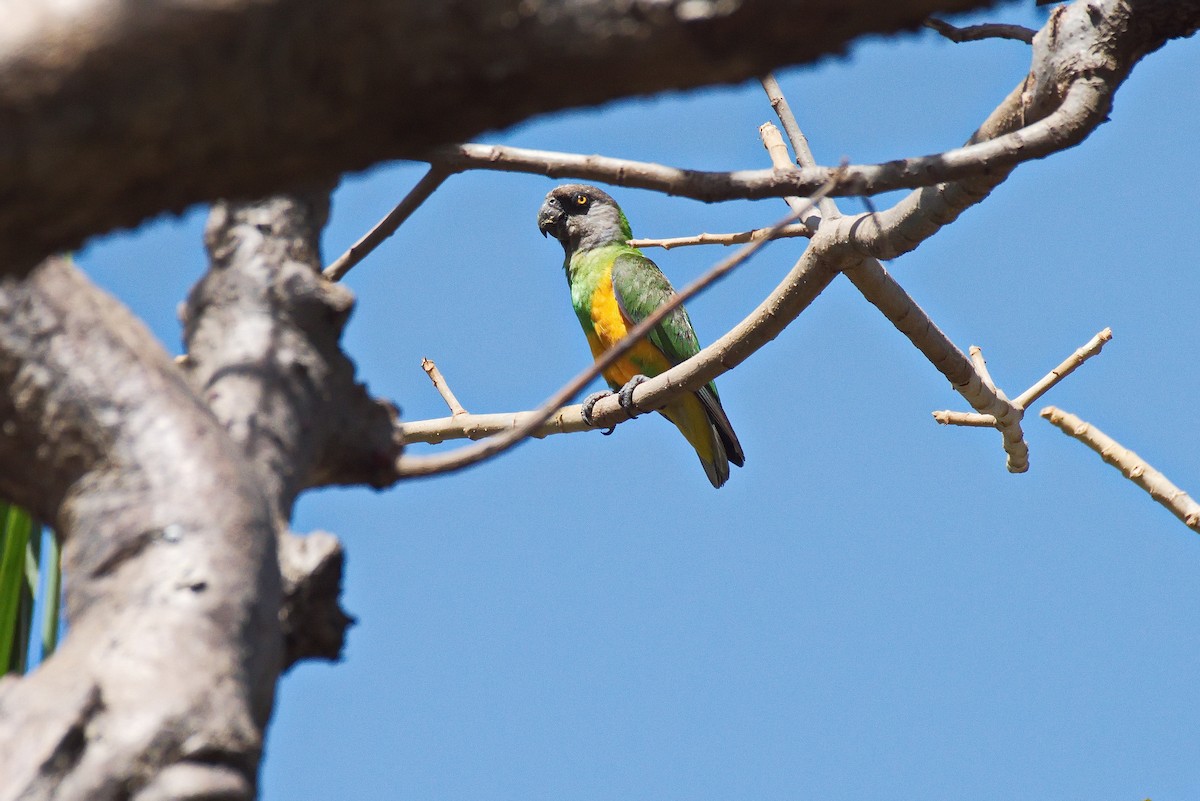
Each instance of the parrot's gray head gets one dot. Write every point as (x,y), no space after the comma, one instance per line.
(581,217)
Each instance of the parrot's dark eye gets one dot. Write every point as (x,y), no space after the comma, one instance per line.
(581,200)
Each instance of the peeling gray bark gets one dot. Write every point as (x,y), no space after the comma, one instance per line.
(262,330)
(174,598)
(171,489)
(116,110)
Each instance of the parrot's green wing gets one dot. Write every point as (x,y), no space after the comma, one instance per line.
(640,288)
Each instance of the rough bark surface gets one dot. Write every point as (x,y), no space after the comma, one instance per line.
(173,599)
(117,110)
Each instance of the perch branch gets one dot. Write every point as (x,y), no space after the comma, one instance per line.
(1132,466)
(652,394)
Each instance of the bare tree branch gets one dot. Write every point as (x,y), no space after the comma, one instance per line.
(171,524)
(262,332)
(980,364)
(1038,141)
(387,226)
(886,295)
(882,291)
(1132,466)
(839,244)
(1039,388)
(739,238)
(975,33)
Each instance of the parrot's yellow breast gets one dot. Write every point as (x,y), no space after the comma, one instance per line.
(609,328)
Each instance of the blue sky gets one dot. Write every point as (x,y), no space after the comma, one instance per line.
(871,608)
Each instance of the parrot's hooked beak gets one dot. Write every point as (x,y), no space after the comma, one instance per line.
(550,218)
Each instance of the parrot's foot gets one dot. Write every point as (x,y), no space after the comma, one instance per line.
(589,403)
(625,396)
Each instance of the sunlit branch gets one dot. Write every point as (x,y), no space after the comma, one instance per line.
(1035,141)
(443,388)
(739,238)
(799,142)
(1132,466)
(890,298)
(882,291)
(1039,388)
(980,364)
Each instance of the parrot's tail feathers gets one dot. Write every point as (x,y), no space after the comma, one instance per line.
(722,427)
(717,469)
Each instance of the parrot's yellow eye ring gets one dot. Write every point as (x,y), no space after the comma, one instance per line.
(581,200)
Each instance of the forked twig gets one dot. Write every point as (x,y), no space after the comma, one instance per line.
(883,292)
(1039,388)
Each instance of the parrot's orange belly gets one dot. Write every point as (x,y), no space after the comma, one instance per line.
(608,328)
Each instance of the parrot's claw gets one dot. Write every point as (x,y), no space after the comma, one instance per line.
(625,396)
(589,403)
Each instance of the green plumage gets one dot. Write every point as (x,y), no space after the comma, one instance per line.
(613,288)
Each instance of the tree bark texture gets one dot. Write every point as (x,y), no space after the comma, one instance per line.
(117,110)
(171,486)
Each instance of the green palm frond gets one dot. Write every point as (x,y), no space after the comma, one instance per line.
(23,562)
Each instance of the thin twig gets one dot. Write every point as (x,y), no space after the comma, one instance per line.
(388,225)
(1039,388)
(969,419)
(1132,466)
(773,141)
(739,238)
(975,33)
(980,364)
(410,466)
(799,142)
(443,388)
(1068,366)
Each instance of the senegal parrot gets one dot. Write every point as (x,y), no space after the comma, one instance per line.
(613,287)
